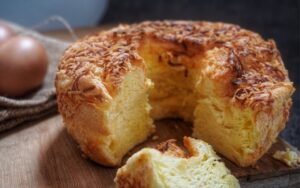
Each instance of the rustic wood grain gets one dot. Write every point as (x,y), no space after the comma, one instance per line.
(42,154)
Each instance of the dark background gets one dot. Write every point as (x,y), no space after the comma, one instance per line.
(277,19)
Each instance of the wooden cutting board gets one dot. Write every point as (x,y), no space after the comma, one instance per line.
(42,154)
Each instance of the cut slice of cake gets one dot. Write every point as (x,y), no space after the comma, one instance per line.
(170,166)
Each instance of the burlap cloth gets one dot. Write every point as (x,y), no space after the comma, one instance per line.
(39,103)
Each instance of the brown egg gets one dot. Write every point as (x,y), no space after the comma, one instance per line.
(5,32)
(23,65)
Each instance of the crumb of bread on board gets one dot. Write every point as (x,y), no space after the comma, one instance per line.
(289,157)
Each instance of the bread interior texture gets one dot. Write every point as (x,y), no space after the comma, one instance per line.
(180,89)
(202,170)
(172,91)
(152,168)
(129,118)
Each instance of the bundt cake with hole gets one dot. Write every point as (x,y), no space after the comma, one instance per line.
(228,81)
(169,166)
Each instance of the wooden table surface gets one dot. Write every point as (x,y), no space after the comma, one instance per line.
(42,154)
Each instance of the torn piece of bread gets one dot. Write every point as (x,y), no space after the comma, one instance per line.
(169,166)
(289,157)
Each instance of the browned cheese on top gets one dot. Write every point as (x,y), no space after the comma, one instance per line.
(255,64)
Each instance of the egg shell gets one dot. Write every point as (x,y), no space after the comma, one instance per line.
(23,65)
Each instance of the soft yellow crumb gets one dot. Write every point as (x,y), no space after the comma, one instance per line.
(289,157)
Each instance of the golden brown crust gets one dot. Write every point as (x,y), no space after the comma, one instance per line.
(170,147)
(255,66)
(245,70)
(127,180)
